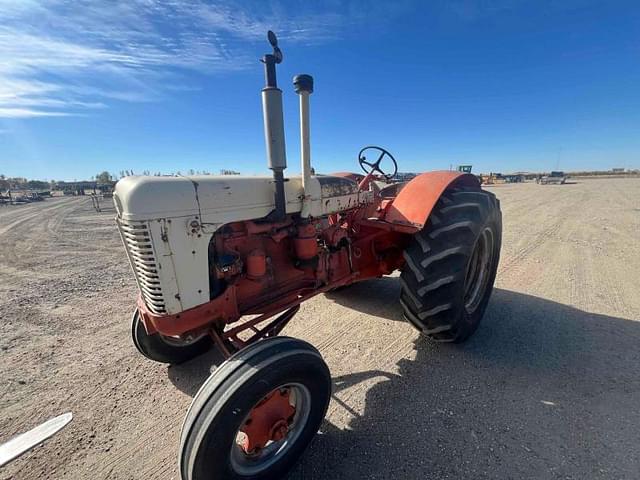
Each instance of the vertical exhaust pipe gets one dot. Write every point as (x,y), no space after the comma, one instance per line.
(274,127)
(303,85)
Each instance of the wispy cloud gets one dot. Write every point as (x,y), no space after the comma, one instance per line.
(17,112)
(63,58)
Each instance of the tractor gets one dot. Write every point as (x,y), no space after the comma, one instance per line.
(224,262)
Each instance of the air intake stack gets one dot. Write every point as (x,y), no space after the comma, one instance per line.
(274,126)
(303,85)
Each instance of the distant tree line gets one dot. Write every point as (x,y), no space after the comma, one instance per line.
(102,178)
(20,183)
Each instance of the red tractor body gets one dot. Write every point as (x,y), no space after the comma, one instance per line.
(277,266)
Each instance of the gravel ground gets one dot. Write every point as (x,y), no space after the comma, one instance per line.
(549,387)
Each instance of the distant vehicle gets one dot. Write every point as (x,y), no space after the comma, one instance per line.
(492,178)
(20,197)
(557,178)
(513,178)
(403,176)
(28,197)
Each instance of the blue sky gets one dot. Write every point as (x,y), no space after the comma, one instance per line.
(166,86)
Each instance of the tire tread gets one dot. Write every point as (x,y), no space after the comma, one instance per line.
(432,281)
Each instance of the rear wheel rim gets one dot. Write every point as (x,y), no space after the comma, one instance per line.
(478,271)
(248,464)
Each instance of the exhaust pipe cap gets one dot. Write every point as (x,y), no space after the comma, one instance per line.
(303,83)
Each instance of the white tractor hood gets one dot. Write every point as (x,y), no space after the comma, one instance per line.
(218,199)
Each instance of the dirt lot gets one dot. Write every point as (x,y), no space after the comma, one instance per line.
(549,387)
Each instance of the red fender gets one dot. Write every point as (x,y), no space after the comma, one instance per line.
(417,198)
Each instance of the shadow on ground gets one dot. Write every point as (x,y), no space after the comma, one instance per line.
(188,377)
(542,390)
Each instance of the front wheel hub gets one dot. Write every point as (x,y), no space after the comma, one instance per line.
(268,421)
(270,428)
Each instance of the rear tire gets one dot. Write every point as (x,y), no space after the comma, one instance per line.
(163,349)
(451,265)
(225,403)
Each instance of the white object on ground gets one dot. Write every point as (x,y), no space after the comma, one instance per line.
(24,442)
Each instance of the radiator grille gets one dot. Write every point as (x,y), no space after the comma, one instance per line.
(137,241)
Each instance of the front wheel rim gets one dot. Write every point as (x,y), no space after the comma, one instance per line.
(253,463)
(478,271)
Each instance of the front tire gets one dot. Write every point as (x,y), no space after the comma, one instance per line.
(166,349)
(239,426)
(451,265)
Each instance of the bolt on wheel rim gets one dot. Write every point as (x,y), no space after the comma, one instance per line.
(478,271)
(286,432)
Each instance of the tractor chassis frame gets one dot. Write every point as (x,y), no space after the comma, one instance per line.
(201,320)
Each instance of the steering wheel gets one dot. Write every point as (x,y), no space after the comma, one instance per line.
(375,166)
